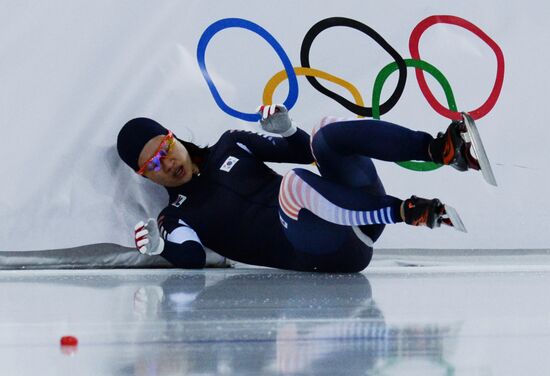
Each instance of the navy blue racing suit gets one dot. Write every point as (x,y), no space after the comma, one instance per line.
(243,210)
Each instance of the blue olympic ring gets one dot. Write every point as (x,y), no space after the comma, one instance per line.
(226,23)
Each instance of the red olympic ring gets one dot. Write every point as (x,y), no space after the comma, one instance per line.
(438,107)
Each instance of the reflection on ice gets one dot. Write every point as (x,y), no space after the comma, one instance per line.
(256,321)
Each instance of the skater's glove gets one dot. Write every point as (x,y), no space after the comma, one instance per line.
(147,238)
(275,119)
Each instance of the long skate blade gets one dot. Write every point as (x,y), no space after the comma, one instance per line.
(479,150)
(455,219)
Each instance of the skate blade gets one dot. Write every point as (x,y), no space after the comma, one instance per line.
(479,149)
(453,216)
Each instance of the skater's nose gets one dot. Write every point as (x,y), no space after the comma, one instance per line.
(167,164)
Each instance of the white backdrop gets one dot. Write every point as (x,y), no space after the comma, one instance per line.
(73,72)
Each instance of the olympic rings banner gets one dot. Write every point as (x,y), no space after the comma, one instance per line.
(202,67)
(290,72)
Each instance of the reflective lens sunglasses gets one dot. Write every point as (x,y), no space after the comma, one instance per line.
(153,163)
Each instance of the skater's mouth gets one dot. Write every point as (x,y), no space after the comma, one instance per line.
(179,172)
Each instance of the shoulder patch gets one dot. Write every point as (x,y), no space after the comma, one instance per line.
(180,200)
(229,163)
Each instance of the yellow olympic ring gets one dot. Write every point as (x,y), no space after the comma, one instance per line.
(279,77)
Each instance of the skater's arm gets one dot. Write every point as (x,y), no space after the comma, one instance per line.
(170,239)
(182,246)
(291,144)
(187,255)
(291,149)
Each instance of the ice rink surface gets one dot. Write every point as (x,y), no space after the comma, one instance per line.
(419,314)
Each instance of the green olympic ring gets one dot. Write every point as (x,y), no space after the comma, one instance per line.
(377,91)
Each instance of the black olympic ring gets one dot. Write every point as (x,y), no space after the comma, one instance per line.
(342,21)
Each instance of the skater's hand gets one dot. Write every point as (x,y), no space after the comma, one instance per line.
(275,119)
(147,238)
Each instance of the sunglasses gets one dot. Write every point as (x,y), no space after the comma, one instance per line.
(153,163)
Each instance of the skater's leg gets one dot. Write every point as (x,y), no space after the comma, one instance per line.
(343,149)
(391,142)
(323,246)
(344,167)
(375,139)
(356,171)
(332,147)
(318,216)
(335,203)
(303,190)
(349,170)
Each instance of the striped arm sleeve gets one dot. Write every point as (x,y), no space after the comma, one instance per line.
(182,246)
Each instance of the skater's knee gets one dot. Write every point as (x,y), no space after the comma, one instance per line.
(327,120)
(320,146)
(332,139)
(363,262)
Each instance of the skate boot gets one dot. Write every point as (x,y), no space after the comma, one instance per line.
(418,211)
(423,212)
(452,149)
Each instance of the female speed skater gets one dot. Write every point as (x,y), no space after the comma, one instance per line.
(224,198)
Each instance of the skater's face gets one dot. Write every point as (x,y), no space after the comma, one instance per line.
(165,161)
